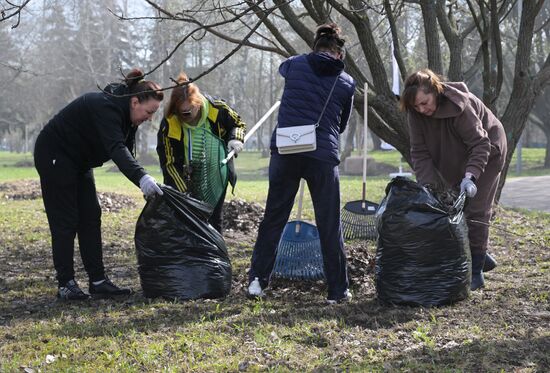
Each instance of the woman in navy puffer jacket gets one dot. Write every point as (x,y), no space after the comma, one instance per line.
(308,81)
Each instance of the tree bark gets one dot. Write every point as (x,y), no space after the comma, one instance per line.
(525,87)
(431,34)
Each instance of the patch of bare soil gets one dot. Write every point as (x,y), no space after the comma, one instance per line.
(23,189)
(114,202)
(239,215)
(241,221)
(360,272)
(30,189)
(25,163)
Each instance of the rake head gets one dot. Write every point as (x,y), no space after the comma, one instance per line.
(299,254)
(359,221)
(210,176)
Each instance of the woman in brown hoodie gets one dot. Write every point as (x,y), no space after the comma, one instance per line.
(456,140)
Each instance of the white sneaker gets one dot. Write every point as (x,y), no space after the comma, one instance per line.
(347,297)
(255,289)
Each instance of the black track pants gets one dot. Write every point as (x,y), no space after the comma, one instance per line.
(72,209)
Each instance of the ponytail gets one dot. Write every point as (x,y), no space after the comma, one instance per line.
(186,91)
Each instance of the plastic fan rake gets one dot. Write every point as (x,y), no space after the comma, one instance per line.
(299,255)
(358,217)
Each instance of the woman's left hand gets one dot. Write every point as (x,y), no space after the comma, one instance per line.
(468,186)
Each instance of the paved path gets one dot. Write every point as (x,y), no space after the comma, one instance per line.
(532,192)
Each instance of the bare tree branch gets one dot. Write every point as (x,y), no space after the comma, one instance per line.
(273,29)
(303,31)
(211,28)
(12,10)
(359,18)
(542,80)
(497,45)
(395,40)
(213,67)
(454,40)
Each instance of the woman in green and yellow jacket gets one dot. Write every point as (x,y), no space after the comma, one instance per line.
(187,111)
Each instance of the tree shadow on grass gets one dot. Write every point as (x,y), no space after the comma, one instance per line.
(477,356)
(136,314)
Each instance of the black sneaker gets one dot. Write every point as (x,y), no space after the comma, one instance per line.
(107,289)
(71,291)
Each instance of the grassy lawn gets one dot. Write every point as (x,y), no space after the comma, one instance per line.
(503,328)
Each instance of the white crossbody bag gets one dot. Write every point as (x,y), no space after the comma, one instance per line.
(300,139)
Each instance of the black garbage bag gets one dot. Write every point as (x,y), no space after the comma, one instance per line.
(180,255)
(423,253)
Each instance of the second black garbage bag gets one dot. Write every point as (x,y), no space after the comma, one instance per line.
(423,253)
(180,255)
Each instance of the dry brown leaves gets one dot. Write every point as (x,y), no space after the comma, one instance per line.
(30,189)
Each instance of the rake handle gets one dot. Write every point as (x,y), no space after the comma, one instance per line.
(365,133)
(300,202)
(252,130)
(364,199)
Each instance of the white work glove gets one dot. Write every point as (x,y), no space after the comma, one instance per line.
(236,145)
(149,186)
(468,186)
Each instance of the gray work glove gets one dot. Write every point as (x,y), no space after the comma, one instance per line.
(149,186)
(236,145)
(467,185)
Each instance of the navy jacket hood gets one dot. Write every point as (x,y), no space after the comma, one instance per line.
(324,64)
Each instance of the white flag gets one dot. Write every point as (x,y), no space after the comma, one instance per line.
(395,73)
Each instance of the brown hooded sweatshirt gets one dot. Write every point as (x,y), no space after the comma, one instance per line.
(461,136)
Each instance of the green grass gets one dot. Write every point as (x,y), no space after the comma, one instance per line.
(384,156)
(503,328)
(11,158)
(251,165)
(252,182)
(532,160)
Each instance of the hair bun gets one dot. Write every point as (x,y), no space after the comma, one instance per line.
(328,30)
(327,38)
(134,76)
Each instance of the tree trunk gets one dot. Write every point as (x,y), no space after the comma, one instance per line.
(525,86)
(546,131)
(431,33)
(376,142)
(350,135)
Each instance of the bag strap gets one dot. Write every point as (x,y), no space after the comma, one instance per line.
(328,99)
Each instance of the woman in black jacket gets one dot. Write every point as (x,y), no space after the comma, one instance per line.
(91,130)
